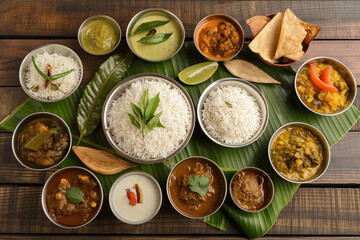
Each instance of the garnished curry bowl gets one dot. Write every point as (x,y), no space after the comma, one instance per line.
(99,35)
(196,187)
(332,97)
(72,197)
(299,152)
(220,45)
(251,189)
(41,141)
(232,112)
(135,197)
(155,34)
(131,134)
(52,60)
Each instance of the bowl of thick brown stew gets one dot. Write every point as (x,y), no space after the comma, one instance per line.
(41,141)
(299,152)
(251,189)
(196,187)
(72,197)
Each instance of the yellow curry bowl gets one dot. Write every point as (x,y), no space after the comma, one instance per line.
(296,159)
(326,96)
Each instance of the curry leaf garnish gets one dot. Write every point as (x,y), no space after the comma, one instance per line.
(228,104)
(75,195)
(143,117)
(54,77)
(149,25)
(199,184)
(155,39)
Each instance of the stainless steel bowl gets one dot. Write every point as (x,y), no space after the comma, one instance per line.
(347,75)
(119,89)
(149,12)
(51,49)
(111,198)
(92,19)
(44,191)
(22,125)
(223,180)
(252,90)
(226,17)
(321,137)
(268,182)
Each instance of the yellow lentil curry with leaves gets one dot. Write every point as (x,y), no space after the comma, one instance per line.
(297,154)
(323,100)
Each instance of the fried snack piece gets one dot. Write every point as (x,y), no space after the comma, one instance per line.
(291,37)
(265,43)
(257,23)
(312,31)
(101,161)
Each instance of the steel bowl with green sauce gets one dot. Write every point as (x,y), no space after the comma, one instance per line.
(99,35)
(159,42)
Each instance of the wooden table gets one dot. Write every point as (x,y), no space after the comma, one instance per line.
(327,208)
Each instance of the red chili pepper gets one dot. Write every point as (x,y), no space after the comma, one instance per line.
(131,196)
(326,75)
(320,84)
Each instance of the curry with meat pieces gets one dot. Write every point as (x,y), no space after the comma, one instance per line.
(51,149)
(59,205)
(192,203)
(297,154)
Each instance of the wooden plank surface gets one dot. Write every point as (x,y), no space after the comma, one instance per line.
(344,166)
(313,211)
(16,49)
(338,19)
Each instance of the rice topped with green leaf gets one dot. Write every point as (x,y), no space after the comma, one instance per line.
(55,89)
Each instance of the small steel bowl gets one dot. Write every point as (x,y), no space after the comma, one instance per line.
(22,124)
(92,19)
(229,19)
(51,49)
(223,180)
(292,62)
(267,181)
(149,12)
(119,89)
(111,198)
(344,71)
(44,191)
(252,90)
(321,137)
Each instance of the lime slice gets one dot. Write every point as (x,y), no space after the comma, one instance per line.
(198,73)
(35,143)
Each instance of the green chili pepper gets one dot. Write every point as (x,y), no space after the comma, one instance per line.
(57,76)
(54,77)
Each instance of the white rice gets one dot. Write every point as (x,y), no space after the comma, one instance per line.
(160,142)
(231,115)
(59,64)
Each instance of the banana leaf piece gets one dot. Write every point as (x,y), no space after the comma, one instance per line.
(109,74)
(284,107)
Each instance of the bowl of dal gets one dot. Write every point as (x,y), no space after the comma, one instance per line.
(334,95)
(155,34)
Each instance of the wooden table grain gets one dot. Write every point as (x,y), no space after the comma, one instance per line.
(328,208)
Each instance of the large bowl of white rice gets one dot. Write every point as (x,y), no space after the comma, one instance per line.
(161,143)
(232,112)
(61,59)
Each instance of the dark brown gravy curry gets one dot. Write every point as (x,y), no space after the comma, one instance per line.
(191,203)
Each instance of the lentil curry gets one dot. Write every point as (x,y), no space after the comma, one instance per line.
(318,99)
(59,206)
(297,154)
(191,203)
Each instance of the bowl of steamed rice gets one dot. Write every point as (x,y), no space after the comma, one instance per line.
(232,112)
(148,118)
(57,62)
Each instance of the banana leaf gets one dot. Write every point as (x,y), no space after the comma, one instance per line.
(108,75)
(284,107)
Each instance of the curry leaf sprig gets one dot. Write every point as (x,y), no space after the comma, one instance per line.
(53,77)
(143,117)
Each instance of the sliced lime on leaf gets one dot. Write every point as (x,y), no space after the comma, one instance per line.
(198,73)
(35,143)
